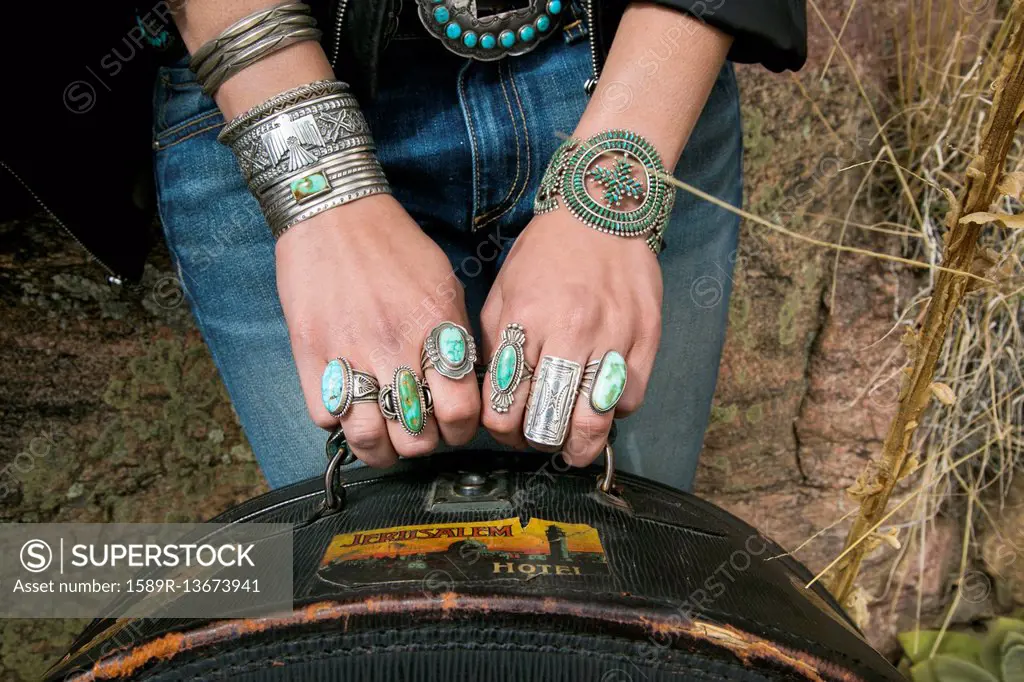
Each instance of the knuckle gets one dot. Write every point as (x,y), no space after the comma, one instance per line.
(365,433)
(627,406)
(388,339)
(580,319)
(305,333)
(416,447)
(649,327)
(585,431)
(323,419)
(489,314)
(457,411)
(499,424)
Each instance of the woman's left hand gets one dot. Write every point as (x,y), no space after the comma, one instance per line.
(578,293)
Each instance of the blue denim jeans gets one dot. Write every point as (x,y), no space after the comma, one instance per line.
(464,145)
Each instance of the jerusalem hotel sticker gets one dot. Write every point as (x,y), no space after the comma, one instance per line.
(482,550)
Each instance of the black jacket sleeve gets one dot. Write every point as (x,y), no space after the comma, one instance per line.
(768,32)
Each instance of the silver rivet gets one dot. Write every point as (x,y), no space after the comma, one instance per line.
(471,484)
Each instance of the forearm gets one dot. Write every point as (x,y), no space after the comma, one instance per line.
(202,20)
(659,98)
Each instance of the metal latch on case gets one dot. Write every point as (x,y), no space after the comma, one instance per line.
(470,491)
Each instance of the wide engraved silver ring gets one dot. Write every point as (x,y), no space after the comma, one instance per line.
(551,401)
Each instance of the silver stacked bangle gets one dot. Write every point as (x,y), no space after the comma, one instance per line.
(303,152)
(250,40)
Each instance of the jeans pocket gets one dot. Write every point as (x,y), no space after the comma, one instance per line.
(180,108)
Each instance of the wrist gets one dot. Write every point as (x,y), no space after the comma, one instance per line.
(360,222)
(613,182)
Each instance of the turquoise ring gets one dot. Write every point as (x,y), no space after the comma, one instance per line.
(407,400)
(450,350)
(508,367)
(604,382)
(341,387)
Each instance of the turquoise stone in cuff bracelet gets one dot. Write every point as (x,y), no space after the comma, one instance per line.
(309,186)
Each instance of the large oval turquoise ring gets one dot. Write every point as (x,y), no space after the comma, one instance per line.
(341,387)
(508,367)
(407,400)
(604,381)
(450,350)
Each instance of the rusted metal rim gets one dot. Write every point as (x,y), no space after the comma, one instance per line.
(658,625)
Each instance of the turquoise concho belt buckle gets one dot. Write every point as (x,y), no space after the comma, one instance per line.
(458,24)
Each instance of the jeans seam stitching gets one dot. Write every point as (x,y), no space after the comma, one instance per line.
(160,146)
(526,133)
(486,217)
(474,160)
(185,124)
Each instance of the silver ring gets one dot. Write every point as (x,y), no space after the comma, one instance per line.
(508,367)
(551,401)
(414,402)
(341,386)
(450,350)
(604,381)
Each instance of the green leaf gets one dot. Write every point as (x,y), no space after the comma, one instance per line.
(918,645)
(992,648)
(1013,657)
(943,668)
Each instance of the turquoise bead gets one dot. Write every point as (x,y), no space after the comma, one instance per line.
(506,368)
(453,30)
(526,33)
(507,38)
(543,23)
(609,383)
(469,39)
(332,386)
(452,345)
(441,14)
(488,41)
(555,6)
(410,407)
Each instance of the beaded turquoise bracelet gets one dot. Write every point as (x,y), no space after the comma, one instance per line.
(605,164)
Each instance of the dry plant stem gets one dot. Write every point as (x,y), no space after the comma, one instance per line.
(961,243)
(671,180)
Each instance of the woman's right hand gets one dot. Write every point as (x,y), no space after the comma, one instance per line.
(363,282)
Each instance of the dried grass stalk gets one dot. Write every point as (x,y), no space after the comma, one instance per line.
(960,253)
